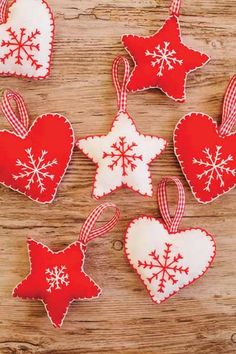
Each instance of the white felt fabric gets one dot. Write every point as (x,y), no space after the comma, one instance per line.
(146,235)
(107,179)
(31,15)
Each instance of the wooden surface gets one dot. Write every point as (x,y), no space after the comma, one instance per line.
(201,318)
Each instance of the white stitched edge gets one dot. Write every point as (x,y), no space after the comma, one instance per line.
(82,270)
(180,100)
(66,167)
(181,162)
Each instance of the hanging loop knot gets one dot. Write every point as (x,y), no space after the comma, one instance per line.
(19,124)
(171,223)
(88,232)
(229,108)
(3,11)
(175,7)
(121,89)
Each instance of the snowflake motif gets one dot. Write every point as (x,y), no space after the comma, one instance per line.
(123,155)
(35,170)
(167,267)
(164,57)
(57,277)
(214,167)
(21,46)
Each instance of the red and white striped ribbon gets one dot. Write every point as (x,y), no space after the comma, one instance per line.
(175,7)
(171,223)
(3,10)
(87,232)
(229,108)
(20,124)
(121,86)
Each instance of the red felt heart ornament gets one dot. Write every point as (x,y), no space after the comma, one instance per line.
(33,161)
(207,152)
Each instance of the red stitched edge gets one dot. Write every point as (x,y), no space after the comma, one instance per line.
(170,233)
(66,167)
(50,50)
(180,100)
(189,115)
(123,185)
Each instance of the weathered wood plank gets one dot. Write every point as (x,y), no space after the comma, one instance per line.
(201,318)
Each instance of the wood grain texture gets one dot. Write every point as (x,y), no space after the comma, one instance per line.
(201,318)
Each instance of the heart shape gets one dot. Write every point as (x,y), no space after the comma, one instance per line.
(207,158)
(35,164)
(167,261)
(27,39)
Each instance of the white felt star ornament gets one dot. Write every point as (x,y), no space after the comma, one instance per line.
(124,154)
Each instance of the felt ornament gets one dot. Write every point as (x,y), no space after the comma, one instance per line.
(165,258)
(207,152)
(26,32)
(162,60)
(34,160)
(58,278)
(123,155)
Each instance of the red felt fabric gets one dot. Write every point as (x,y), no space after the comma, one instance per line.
(56,301)
(51,133)
(145,75)
(194,134)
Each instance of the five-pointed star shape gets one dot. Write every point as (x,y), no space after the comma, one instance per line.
(162,60)
(57,279)
(122,157)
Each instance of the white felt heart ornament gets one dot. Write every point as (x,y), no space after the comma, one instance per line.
(166,259)
(26,32)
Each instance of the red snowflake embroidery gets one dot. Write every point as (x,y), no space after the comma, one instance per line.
(123,155)
(21,47)
(167,267)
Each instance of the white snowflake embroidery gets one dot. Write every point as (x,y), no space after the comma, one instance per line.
(166,265)
(35,170)
(21,46)
(214,167)
(57,278)
(123,153)
(164,57)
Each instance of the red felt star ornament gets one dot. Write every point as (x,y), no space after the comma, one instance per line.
(58,278)
(162,60)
